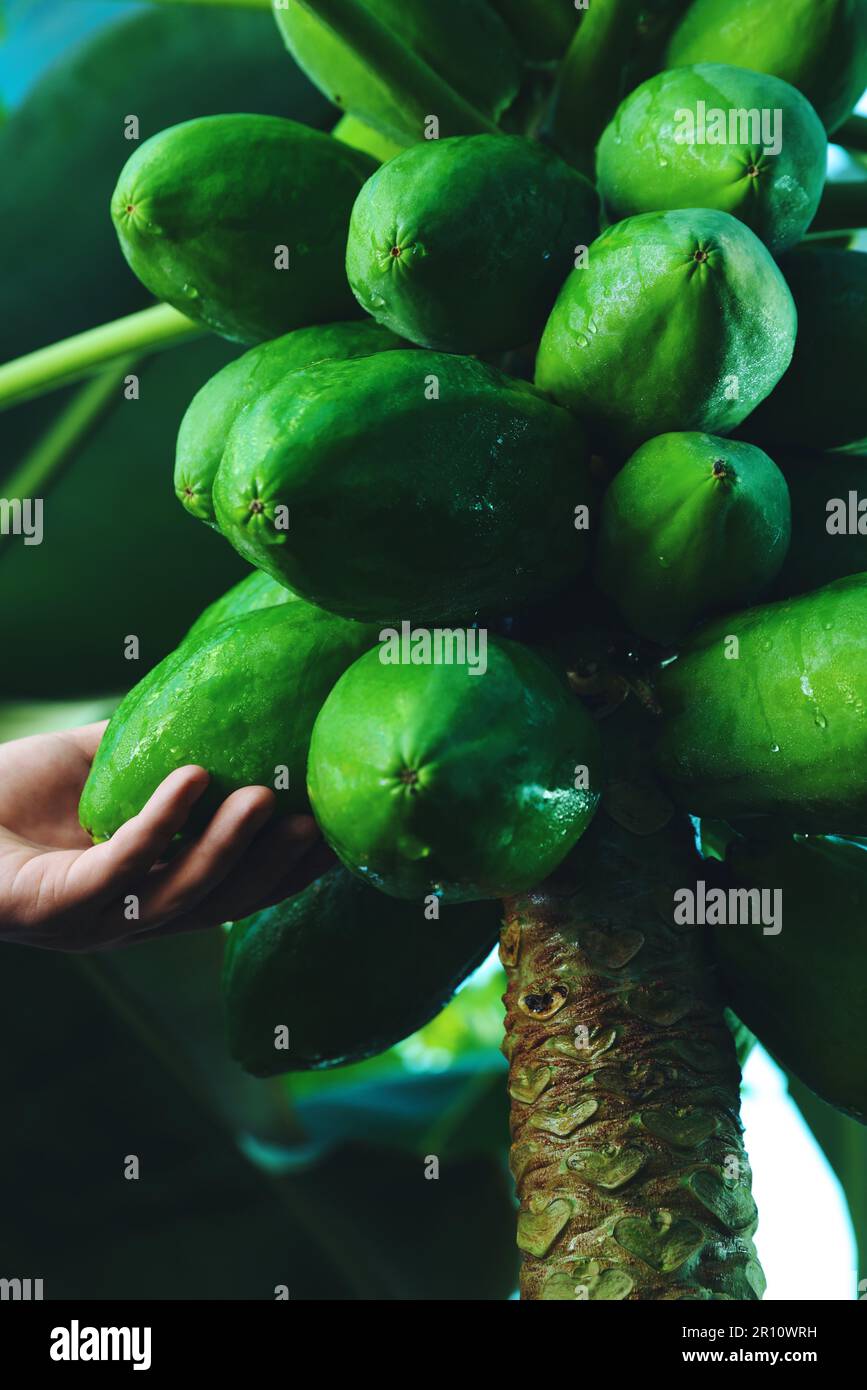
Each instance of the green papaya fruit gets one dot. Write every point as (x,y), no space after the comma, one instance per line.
(214,409)
(821,403)
(439,232)
(464,43)
(718,137)
(829,533)
(256,591)
(407,483)
(348,971)
(691,524)
(459,780)
(820,46)
(773,723)
(240,702)
(813,963)
(207,211)
(677,321)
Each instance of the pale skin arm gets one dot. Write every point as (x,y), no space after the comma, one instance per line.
(59,891)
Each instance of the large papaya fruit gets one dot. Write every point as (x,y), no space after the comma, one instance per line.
(690,525)
(820,46)
(406,484)
(720,137)
(829,520)
(459,780)
(214,409)
(256,591)
(240,222)
(346,970)
(240,702)
(821,403)
(803,990)
(678,321)
(764,713)
(438,232)
(381,69)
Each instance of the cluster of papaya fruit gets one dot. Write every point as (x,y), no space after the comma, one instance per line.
(500,383)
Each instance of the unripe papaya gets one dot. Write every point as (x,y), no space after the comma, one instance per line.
(240,222)
(463,42)
(406,484)
(462,244)
(829,520)
(458,780)
(255,591)
(720,137)
(690,525)
(821,402)
(543,32)
(214,409)
(803,990)
(764,713)
(346,970)
(679,320)
(820,46)
(240,702)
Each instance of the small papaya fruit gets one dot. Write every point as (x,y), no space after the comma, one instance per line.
(803,990)
(821,403)
(720,137)
(464,43)
(240,222)
(453,780)
(829,520)
(439,232)
(406,484)
(214,409)
(763,713)
(255,591)
(240,701)
(690,525)
(820,46)
(348,971)
(678,321)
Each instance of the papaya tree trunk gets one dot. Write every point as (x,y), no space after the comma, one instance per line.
(627,1146)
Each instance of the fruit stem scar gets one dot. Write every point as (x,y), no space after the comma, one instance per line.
(723,470)
(409,776)
(700,256)
(396,251)
(257,506)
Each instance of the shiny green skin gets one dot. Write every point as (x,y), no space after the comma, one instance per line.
(256,591)
(240,702)
(642,165)
(815,963)
(692,524)
(541,38)
(781,730)
(401,506)
(214,409)
(463,244)
(646,339)
(464,41)
(816,556)
(347,970)
(427,779)
(201,208)
(820,46)
(821,402)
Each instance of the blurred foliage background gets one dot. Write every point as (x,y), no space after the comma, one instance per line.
(317,1181)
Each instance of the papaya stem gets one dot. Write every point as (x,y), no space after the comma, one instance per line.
(627,1148)
(843,207)
(73,358)
(416,87)
(852,134)
(588,84)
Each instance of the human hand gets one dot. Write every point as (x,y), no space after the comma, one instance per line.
(59,891)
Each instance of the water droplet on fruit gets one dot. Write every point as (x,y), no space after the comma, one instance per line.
(189,290)
(582,340)
(775,748)
(820,721)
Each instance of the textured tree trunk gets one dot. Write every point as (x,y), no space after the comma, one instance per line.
(627,1146)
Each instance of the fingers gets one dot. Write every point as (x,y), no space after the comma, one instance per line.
(142,841)
(180,886)
(86,737)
